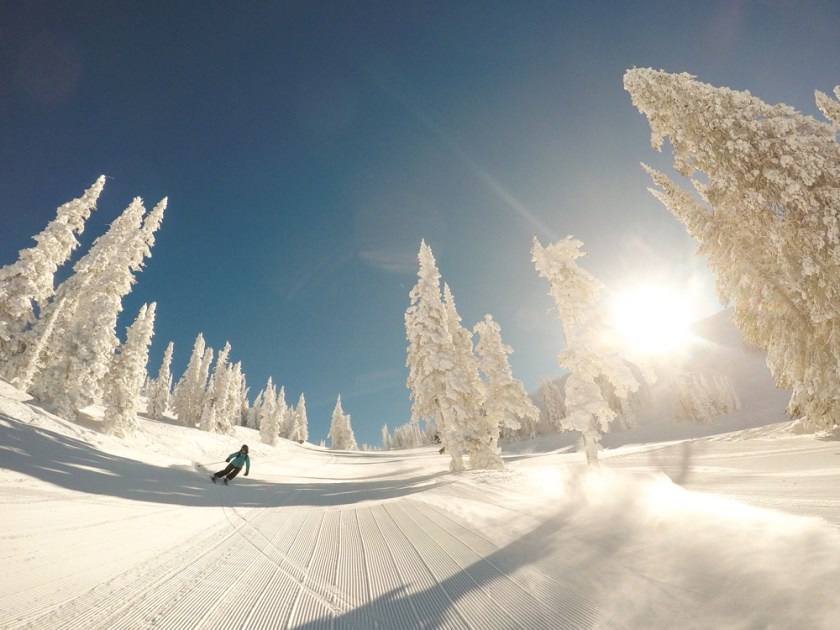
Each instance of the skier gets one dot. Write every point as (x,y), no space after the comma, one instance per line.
(235,462)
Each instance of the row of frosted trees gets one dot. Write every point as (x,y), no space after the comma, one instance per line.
(467,393)
(275,419)
(60,343)
(767,216)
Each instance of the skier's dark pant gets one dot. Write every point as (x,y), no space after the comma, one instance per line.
(231,471)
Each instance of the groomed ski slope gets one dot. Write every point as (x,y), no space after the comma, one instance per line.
(107,534)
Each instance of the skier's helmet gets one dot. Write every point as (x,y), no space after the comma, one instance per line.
(244,448)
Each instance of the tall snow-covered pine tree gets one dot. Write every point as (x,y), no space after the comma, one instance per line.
(505,398)
(767,218)
(587,357)
(126,375)
(29,282)
(161,390)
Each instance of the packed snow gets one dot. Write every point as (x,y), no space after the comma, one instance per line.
(734,530)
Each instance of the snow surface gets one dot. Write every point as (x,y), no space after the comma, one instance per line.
(737,530)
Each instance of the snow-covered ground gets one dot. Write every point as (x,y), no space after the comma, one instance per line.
(738,530)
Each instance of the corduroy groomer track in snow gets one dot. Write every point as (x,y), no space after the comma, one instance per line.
(104,533)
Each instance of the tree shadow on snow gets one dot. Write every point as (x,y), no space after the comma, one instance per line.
(76,465)
(485,591)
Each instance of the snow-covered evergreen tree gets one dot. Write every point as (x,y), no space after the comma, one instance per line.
(341,432)
(429,349)
(253,418)
(224,393)
(407,436)
(725,394)
(767,218)
(203,380)
(242,397)
(217,405)
(505,398)
(828,106)
(472,430)
(443,373)
(30,360)
(161,389)
(84,337)
(283,413)
(700,398)
(237,393)
(692,399)
(587,357)
(300,433)
(267,414)
(555,407)
(29,282)
(126,375)
(188,396)
(77,357)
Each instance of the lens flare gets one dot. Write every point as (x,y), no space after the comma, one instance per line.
(652,319)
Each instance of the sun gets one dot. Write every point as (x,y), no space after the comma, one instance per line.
(652,319)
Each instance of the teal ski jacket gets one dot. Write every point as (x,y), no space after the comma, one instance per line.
(238,459)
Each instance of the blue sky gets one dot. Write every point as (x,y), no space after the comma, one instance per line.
(307,148)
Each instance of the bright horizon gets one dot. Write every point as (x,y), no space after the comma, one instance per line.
(307,149)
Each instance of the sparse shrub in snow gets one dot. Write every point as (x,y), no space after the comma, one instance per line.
(504,397)
(341,432)
(189,392)
(767,219)
(126,375)
(29,282)
(588,356)
(160,390)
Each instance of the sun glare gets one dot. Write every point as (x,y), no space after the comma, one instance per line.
(651,319)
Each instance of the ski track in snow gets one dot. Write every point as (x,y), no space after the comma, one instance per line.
(334,541)
(399,563)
